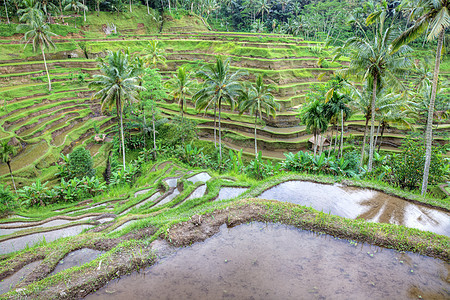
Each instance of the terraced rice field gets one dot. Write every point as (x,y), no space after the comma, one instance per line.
(53,122)
(88,240)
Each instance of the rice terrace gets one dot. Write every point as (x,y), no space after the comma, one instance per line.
(212,149)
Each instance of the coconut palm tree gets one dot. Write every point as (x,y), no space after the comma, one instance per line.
(258,99)
(372,59)
(6,10)
(7,151)
(75,6)
(30,12)
(181,86)
(313,116)
(263,6)
(117,84)
(154,54)
(433,15)
(39,35)
(219,85)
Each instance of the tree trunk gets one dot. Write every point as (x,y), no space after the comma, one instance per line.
(154,131)
(84,11)
(376,136)
(46,70)
(130,7)
(148,8)
(315,143)
(336,137)
(372,123)
(331,142)
(220,132)
(341,145)
(119,107)
(7,17)
(256,143)
(364,143)
(145,142)
(12,178)
(215,134)
(429,130)
(381,136)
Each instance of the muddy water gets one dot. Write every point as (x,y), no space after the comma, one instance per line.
(203,177)
(77,258)
(141,192)
(152,198)
(11,281)
(124,225)
(172,182)
(169,198)
(260,261)
(230,192)
(6,231)
(197,193)
(355,203)
(20,243)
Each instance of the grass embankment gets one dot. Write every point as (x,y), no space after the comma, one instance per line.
(173,222)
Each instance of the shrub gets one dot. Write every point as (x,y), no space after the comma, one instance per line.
(408,166)
(78,164)
(7,199)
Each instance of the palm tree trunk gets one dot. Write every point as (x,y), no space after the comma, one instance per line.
(130,7)
(331,143)
(376,136)
(336,137)
(364,143)
(12,178)
(154,131)
(119,107)
(220,132)
(46,70)
(256,143)
(148,8)
(315,143)
(6,9)
(429,130)
(84,11)
(381,136)
(372,123)
(215,134)
(341,145)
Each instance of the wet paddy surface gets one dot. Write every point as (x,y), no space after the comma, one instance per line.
(355,203)
(11,281)
(20,243)
(226,193)
(76,258)
(259,261)
(6,231)
(197,193)
(203,177)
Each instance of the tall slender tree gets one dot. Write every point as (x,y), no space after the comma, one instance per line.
(220,85)
(6,10)
(258,99)
(75,6)
(39,35)
(433,15)
(313,116)
(116,85)
(371,58)
(7,151)
(181,86)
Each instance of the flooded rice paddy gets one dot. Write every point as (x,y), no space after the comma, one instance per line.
(11,281)
(203,177)
(22,242)
(11,227)
(355,203)
(76,258)
(197,193)
(226,193)
(259,261)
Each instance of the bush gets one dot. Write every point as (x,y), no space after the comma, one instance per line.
(77,164)
(7,199)
(408,166)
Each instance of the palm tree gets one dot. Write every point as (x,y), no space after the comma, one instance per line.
(6,152)
(263,6)
(39,35)
(75,6)
(372,59)
(219,85)
(30,12)
(117,84)
(154,54)
(434,15)
(181,86)
(336,107)
(313,116)
(6,9)
(258,98)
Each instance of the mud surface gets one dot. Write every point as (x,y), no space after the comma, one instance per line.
(230,192)
(355,203)
(20,243)
(11,281)
(77,258)
(260,261)
(203,177)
